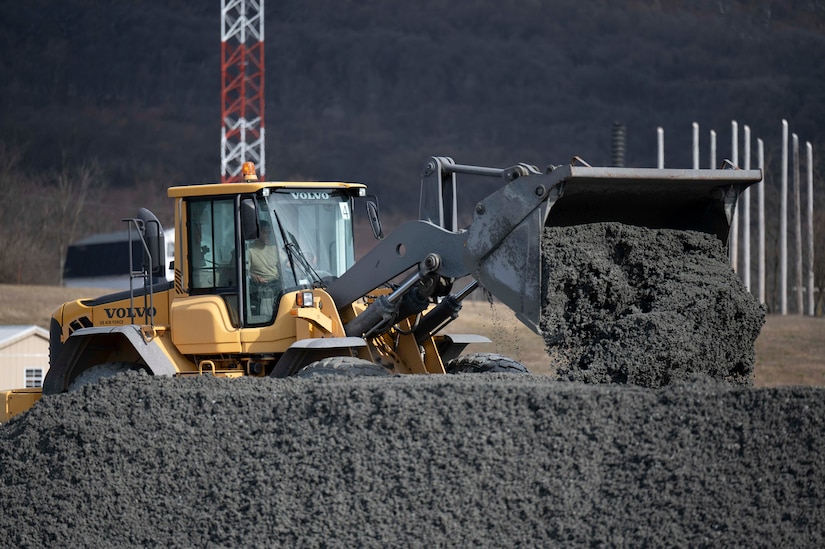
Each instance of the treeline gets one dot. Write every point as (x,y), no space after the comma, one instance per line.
(42,214)
(367,91)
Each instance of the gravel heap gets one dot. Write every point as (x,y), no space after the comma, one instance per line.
(665,445)
(649,307)
(412,461)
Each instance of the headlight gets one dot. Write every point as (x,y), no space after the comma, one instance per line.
(305,299)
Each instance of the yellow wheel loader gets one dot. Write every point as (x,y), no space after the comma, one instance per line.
(266,282)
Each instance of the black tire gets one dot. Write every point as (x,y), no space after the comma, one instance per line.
(485,363)
(343,366)
(100,371)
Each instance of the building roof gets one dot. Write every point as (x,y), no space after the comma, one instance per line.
(13,334)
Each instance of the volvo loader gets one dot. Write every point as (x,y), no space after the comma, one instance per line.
(315,309)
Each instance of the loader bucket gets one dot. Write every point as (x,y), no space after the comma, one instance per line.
(695,200)
(504,242)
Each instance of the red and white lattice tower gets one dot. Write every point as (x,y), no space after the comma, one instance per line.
(242,87)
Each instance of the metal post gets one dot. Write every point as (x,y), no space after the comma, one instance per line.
(734,223)
(810,166)
(760,190)
(783,225)
(695,145)
(712,155)
(660,148)
(797,212)
(746,215)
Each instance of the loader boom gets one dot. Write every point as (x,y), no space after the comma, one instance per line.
(501,246)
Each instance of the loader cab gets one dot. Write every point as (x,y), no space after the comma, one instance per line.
(253,247)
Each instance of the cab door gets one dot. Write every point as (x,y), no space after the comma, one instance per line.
(207,320)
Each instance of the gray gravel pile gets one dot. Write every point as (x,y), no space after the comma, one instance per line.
(676,450)
(411,461)
(649,307)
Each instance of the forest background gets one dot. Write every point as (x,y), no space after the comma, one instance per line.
(105,104)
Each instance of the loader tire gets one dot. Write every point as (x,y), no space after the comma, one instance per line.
(485,363)
(343,366)
(100,371)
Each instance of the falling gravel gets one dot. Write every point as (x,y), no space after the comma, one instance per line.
(412,461)
(649,307)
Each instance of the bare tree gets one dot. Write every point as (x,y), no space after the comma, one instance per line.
(75,187)
(17,212)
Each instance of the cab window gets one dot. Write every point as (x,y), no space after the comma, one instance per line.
(212,241)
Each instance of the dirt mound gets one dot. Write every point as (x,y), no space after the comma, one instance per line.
(468,460)
(649,307)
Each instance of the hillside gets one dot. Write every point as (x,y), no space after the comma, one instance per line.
(366,92)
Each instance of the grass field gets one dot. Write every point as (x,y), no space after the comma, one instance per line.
(790,350)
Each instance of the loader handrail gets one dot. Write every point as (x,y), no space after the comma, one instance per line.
(145,273)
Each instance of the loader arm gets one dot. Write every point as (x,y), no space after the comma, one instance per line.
(501,247)
(435,233)
(400,251)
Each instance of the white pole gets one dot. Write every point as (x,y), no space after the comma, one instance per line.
(761,205)
(746,216)
(797,209)
(712,165)
(810,166)
(695,145)
(660,148)
(734,222)
(783,225)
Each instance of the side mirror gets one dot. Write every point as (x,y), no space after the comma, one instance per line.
(372,215)
(249,219)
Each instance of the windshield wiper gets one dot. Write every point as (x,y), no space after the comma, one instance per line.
(296,255)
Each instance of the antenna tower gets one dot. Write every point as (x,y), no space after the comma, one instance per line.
(242,87)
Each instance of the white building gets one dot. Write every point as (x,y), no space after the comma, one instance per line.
(24,356)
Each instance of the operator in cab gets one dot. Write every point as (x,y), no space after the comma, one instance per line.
(264,264)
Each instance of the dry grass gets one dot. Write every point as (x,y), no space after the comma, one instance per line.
(35,304)
(790,350)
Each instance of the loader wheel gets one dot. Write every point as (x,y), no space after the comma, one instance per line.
(485,363)
(96,373)
(343,366)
